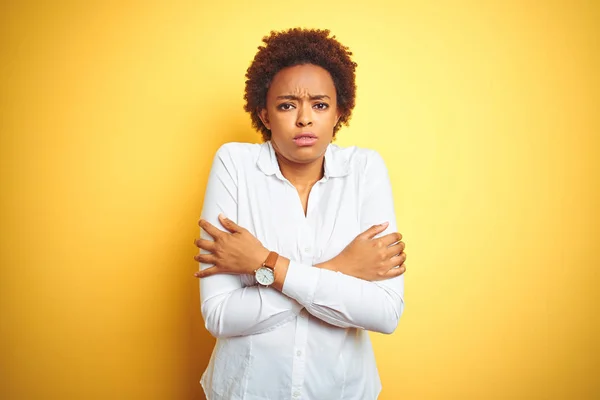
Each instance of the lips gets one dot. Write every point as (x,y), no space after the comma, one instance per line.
(305,139)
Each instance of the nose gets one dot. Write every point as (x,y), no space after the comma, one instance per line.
(304,116)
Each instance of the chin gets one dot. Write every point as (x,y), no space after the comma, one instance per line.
(300,153)
(310,153)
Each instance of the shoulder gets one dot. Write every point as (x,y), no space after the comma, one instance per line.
(239,155)
(359,160)
(238,150)
(233,157)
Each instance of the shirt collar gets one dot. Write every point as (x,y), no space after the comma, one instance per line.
(336,165)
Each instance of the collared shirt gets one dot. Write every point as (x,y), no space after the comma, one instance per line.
(309,341)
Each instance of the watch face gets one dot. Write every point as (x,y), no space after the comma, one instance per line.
(265,276)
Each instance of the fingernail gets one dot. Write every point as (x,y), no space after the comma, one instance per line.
(384,224)
(223,216)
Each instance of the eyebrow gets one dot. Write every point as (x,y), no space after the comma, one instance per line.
(293,97)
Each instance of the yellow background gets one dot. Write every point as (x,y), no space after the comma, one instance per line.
(485,112)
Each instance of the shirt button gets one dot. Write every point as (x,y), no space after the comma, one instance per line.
(296,394)
(298,353)
(307,250)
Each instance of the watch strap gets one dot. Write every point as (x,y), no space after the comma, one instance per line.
(271,260)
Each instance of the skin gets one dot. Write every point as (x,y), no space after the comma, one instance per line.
(300,99)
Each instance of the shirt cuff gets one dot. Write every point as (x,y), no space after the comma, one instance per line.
(301,282)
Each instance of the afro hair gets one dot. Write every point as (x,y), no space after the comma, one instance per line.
(299,46)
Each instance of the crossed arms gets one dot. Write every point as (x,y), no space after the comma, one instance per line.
(362,287)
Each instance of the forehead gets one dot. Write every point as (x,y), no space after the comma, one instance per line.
(308,78)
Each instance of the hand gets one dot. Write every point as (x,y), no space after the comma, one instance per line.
(233,252)
(371,259)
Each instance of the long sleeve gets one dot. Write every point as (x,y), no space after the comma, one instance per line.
(229,308)
(345,301)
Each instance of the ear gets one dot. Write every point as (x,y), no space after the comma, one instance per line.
(264,117)
(338,115)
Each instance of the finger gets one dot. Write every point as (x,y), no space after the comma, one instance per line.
(374,230)
(210,228)
(205,258)
(395,249)
(206,272)
(397,260)
(391,238)
(394,272)
(229,224)
(205,244)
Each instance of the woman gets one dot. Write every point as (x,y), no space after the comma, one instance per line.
(299,250)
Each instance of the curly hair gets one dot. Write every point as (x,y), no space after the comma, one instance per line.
(298,46)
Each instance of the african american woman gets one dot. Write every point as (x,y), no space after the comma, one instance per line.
(299,254)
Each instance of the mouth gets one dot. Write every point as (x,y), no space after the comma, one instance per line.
(305,139)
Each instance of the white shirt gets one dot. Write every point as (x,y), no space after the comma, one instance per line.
(308,341)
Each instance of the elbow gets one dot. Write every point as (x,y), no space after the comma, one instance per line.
(388,327)
(214,330)
(390,322)
(213,321)
(211,324)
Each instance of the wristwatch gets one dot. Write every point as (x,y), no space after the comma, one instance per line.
(265,275)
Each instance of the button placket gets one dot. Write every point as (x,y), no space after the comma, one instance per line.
(304,243)
(299,362)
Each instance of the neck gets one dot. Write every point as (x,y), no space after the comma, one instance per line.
(302,176)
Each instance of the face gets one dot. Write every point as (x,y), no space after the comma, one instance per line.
(301,113)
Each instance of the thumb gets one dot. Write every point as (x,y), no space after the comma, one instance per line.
(374,230)
(229,224)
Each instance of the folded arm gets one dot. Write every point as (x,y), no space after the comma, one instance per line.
(229,308)
(347,301)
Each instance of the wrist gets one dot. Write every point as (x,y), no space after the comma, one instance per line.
(330,265)
(259,259)
(281,269)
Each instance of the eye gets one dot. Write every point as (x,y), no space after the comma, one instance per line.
(321,106)
(285,106)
